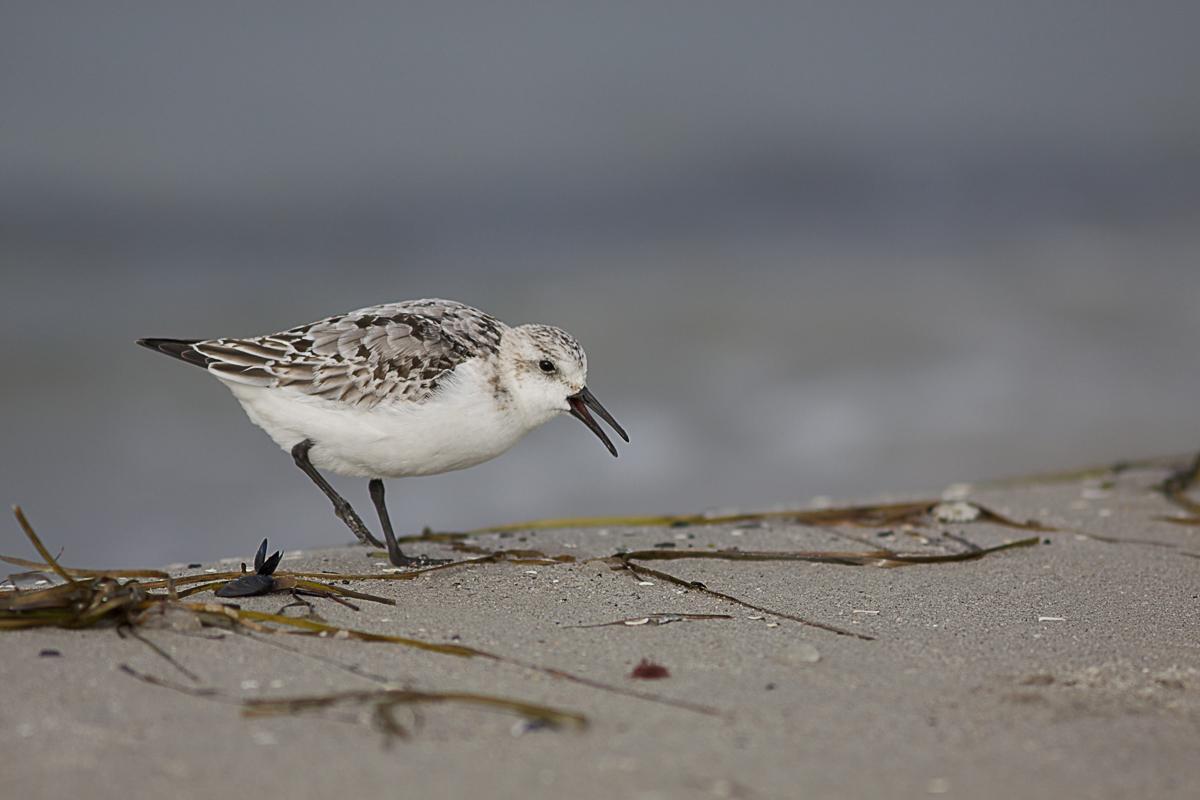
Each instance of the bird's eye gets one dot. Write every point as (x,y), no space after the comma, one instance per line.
(546,366)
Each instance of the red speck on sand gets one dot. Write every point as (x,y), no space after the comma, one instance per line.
(649,670)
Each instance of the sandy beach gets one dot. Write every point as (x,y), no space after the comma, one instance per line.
(1066,667)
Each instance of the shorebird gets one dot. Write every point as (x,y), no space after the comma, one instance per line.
(418,387)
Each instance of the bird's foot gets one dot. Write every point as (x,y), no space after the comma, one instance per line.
(398,559)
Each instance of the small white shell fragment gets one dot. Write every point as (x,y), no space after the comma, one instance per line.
(957,511)
(1052,619)
(862,611)
(642,621)
(645,583)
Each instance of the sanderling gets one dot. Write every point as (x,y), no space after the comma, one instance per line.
(418,387)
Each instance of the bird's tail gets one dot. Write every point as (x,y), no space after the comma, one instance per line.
(182,349)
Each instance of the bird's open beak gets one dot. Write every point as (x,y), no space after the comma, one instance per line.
(580,403)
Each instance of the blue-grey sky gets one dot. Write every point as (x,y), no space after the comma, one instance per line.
(445,110)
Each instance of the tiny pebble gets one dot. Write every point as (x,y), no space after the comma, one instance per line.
(524,726)
(957,511)
(648,670)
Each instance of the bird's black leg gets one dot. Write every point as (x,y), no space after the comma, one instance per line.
(340,507)
(393,547)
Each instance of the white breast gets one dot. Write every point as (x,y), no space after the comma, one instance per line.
(463,425)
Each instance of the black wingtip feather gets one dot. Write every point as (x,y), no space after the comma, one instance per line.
(178,348)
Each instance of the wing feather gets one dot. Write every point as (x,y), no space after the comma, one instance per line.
(385,353)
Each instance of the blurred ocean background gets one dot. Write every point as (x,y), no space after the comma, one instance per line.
(812,249)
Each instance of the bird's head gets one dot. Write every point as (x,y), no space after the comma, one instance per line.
(544,370)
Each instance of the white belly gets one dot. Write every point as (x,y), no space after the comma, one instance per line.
(460,427)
